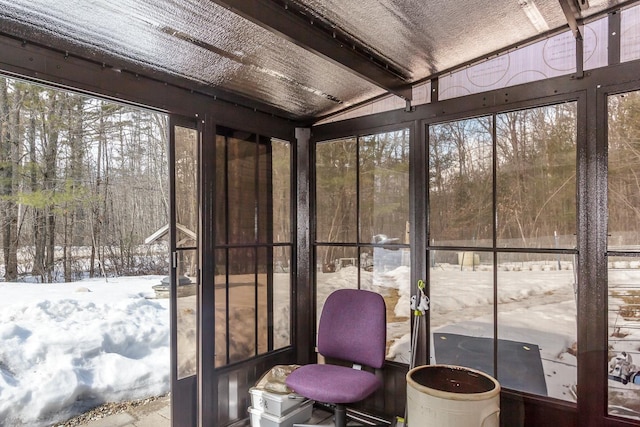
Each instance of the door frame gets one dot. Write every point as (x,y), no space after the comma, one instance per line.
(184,391)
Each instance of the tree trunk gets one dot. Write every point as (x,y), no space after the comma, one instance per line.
(9,158)
(34,187)
(52,126)
(75,174)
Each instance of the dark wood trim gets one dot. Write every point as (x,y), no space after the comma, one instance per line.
(418,202)
(303,289)
(367,127)
(592,329)
(613,45)
(570,10)
(245,374)
(618,422)
(206,361)
(519,410)
(325,39)
(390,400)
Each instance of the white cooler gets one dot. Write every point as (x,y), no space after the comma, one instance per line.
(301,414)
(274,403)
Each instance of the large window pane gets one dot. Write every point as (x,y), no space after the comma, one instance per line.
(263,194)
(220,282)
(242,310)
(241,188)
(511,315)
(187,309)
(221,190)
(253,276)
(186,208)
(536,177)
(262,300)
(624,336)
(281,296)
(624,267)
(624,172)
(384,220)
(337,269)
(462,308)
(363,184)
(388,272)
(537,327)
(186,177)
(536,319)
(384,188)
(336,185)
(460,183)
(281,179)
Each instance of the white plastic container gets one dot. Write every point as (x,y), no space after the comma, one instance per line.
(452,396)
(274,403)
(299,415)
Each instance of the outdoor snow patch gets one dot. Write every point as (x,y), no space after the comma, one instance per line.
(65,351)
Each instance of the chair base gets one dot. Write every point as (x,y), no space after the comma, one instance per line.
(340,416)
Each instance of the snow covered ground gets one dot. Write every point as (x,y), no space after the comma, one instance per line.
(67,347)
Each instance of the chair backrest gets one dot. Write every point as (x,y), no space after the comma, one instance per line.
(353,327)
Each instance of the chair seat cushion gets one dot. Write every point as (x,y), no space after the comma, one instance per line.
(332,384)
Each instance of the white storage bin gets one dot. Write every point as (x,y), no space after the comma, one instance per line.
(300,415)
(274,403)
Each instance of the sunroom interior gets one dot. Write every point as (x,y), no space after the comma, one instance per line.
(488,149)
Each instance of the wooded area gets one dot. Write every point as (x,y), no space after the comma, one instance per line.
(83,181)
(535,179)
(362,193)
(624,171)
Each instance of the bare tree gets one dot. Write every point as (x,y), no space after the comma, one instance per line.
(76,171)
(10,106)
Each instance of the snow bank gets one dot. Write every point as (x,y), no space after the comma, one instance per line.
(66,349)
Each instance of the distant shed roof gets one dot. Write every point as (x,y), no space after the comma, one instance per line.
(162,231)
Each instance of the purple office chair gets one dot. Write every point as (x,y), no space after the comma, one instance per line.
(353,328)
